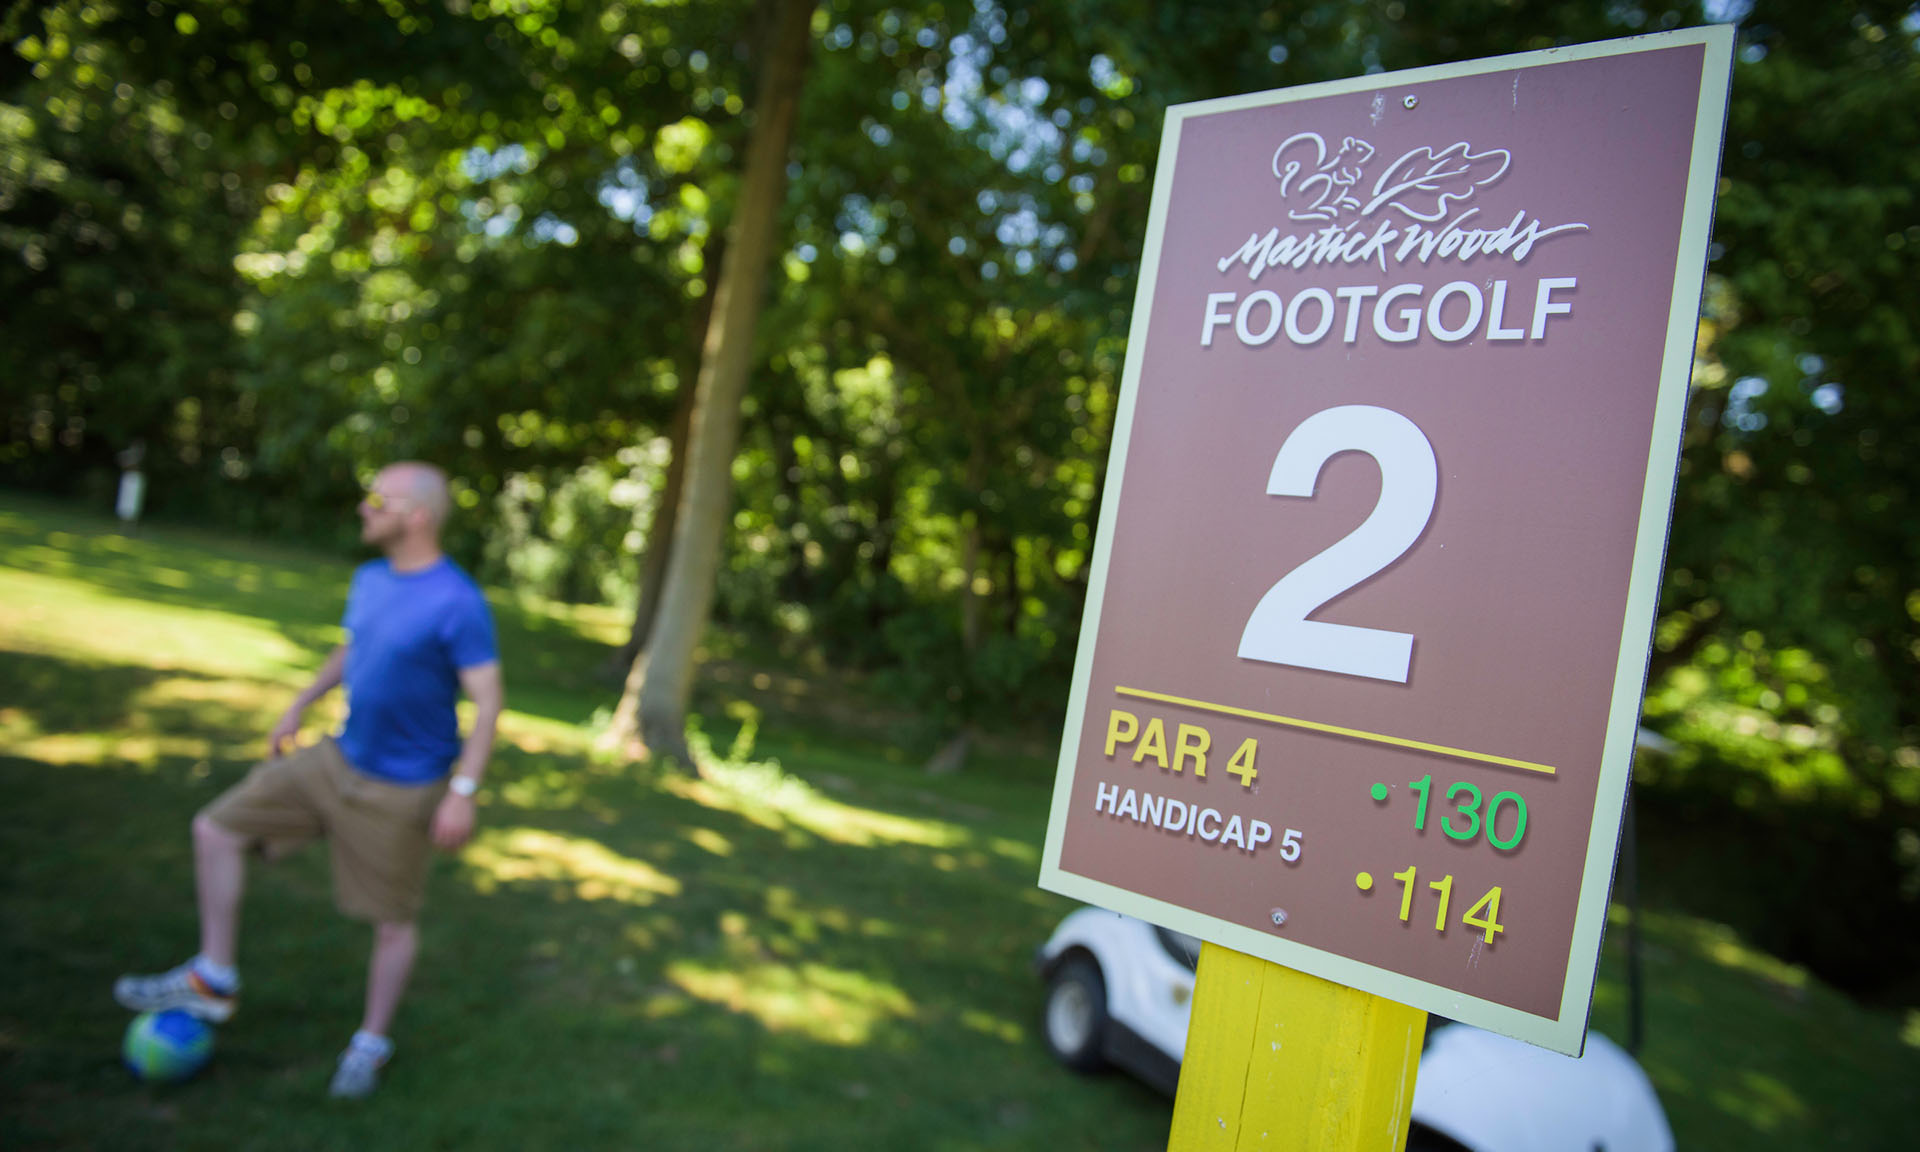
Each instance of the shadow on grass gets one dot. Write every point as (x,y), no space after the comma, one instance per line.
(831,955)
(551,667)
(53,695)
(621,957)
(626,959)
(47,694)
(177,568)
(556,668)
(619,960)
(1751,1052)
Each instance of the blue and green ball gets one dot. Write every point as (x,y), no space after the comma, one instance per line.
(166,1047)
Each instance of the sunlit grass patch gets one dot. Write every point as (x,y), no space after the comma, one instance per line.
(771,798)
(600,623)
(578,867)
(707,840)
(538,735)
(48,612)
(998,1027)
(546,783)
(829,1005)
(238,697)
(67,749)
(789,925)
(763,792)
(1022,852)
(172,717)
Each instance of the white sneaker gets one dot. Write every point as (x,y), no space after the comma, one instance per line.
(358,1073)
(177,988)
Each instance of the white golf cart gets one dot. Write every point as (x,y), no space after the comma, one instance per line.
(1119,992)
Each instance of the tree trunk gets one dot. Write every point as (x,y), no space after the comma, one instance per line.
(659,542)
(661,682)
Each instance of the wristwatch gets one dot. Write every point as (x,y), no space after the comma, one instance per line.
(463,785)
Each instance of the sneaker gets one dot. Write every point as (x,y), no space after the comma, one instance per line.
(178,988)
(358,1072)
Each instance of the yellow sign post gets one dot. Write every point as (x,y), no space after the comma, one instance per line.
(1277,1059)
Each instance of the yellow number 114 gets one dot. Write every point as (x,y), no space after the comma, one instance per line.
(1484,915)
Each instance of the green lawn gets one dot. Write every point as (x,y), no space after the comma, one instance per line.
(817,947)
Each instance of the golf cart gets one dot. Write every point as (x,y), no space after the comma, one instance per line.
(1119,993)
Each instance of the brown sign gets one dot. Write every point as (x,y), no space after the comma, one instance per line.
(1362,662)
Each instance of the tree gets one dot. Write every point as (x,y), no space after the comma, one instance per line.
(653,705)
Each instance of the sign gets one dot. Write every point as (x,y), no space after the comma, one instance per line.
(1363,654)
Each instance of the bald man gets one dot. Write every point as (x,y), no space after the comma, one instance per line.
(396,780)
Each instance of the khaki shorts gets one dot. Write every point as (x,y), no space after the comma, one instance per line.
(379,831)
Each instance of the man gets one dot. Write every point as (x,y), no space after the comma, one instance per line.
(418,633)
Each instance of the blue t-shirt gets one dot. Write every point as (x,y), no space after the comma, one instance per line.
(408,636)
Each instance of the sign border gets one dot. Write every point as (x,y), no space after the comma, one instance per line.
(1565,1032)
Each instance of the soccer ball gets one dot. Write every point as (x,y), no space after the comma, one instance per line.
(166,1047)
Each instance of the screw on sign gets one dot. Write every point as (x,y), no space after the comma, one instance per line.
(1374,583)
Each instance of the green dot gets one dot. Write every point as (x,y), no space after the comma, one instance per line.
(1379,791)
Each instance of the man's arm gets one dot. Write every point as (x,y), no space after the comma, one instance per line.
(453,820)
(324,681)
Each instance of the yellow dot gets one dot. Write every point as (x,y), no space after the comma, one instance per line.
(1364,881)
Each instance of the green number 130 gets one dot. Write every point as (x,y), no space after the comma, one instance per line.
(1466,799)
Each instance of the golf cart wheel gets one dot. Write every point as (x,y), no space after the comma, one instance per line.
(1076,1015)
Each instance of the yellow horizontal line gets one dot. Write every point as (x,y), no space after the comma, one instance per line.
(1335,730)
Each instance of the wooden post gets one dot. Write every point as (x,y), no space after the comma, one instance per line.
(1277,1059)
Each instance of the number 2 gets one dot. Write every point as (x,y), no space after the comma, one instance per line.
(1278,631)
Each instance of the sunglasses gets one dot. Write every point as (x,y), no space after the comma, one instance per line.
(379,501)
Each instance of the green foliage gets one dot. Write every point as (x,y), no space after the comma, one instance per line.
(407,255)
(120,209)
(1788,645)
(568,544)
(1796,459)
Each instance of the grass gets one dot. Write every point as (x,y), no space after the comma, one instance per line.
(817,946)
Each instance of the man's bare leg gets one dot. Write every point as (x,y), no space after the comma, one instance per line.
(206,986)
(220,876)
(394,946)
